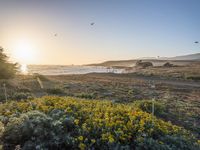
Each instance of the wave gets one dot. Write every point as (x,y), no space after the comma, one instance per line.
(62,70)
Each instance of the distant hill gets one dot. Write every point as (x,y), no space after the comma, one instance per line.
(127,63)
(183,57)
(186,57)
(130,63)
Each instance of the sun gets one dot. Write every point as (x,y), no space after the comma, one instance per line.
(24,52)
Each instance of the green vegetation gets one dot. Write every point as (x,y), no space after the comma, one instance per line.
(71,123)
(7,69)
(55,91)
(193,77)
(178,104)
(146,105)
(22,96)
(86,95)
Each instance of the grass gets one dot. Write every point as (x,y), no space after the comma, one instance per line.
(175,100)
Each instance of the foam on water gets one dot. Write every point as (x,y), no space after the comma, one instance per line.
(62,70)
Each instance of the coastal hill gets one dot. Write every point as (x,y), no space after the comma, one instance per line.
(187,57)
(179,60)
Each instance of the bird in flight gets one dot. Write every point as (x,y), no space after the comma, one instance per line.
(55,34)
(196,42)
(92,23)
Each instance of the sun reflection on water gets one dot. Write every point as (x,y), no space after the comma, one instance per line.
(24,69)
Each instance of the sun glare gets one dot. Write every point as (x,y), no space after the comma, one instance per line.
(24,69)
(24,52)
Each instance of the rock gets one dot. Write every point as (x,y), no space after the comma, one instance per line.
(167,64)
(139,63)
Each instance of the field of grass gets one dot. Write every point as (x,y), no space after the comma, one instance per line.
(181,69)
(180,100)
(124,121)
(189,71)
(57,123)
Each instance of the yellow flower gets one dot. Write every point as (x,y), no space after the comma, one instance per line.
(161,142)
(114,122)
(198,142)
(93,140)
(84,126)
(82,146)
(68,109)
(122,138)
(103,136)
(7,113)
(111,139)
(80,138)
(76,121)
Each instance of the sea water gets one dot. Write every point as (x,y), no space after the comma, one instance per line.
(62,70)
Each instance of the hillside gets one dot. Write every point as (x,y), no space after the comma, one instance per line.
(127,63)
(71,123)
(185,59)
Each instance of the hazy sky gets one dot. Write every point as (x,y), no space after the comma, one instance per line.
(123,29)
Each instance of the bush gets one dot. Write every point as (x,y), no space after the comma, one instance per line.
(1,133)
(86,95)
(7,69)
(166,143)
(193,77)
(35,130)
(179,143)
(69,123)
(139,63)
(22,96)
(1,128)
(146,105)
(26,90)
(55,91)
(167,64)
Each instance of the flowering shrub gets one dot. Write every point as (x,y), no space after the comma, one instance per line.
(61,123)
(146,105)
(1,128)
(22,95)
(35,129)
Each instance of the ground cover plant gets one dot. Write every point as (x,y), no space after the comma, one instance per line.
(66,122)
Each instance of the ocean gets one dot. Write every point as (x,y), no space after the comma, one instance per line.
(62,70)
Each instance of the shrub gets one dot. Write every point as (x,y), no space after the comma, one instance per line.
(167,64)
(22,96)
(35,130)
(86,95)
(139,63)
(146,105)
(69,123)
(1,128)
(1,133)
(193,77)
(55,91)
(7,69)
(166,143)
(24,90)
(179,143)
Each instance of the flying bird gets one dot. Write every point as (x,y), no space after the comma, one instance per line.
(196,42)
(55,34)
(92,23)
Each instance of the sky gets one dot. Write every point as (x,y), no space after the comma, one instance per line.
(123,29)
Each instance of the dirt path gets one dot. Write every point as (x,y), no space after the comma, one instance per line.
(173,82)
